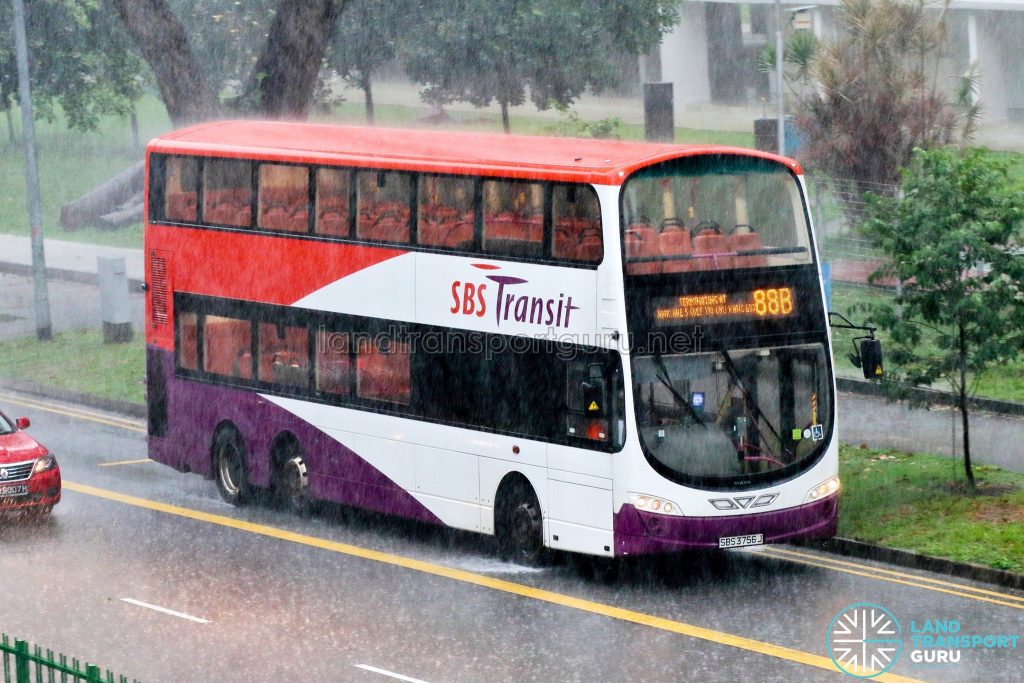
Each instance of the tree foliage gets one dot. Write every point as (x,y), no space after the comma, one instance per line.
(878,93)
(80,62)
(483,51)
(365,40)
(954,239)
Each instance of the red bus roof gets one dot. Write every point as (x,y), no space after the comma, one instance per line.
(606,162)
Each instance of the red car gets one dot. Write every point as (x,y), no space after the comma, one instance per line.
(29,475)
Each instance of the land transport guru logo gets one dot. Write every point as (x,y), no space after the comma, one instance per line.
(479,299)
(865,640)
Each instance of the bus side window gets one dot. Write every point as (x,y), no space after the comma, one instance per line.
(179,186)
(383,371)
(383,201)
(446,216)
(284,198)
(283,355)
(227,192)
(333,363)
(188,341)
(513,217)
(227,347)
(332,202)
(576,220)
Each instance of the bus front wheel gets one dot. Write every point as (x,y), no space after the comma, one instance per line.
(229,468)
(521,527)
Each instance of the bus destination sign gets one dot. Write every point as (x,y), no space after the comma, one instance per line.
(757,304)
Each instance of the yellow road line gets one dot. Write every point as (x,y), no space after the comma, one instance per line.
(902,582)
(889,572)
(589,606)
(124,462)
(131,425)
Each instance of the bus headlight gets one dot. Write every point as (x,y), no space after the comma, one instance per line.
(654,504)
(825,488)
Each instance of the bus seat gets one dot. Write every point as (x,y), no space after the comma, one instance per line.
(181,206)
(570,232)
(642,242)
(459,235)
(749,241)
(387,222)
(591,246)
(188,347)
(225,341)
(332,217)
(713,250)
(675,241)
(333,374)
(242,367)
(383,376)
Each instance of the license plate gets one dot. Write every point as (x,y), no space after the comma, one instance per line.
(14,490)
(740,541)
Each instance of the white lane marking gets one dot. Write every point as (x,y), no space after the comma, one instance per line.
(391,674)
(181,615)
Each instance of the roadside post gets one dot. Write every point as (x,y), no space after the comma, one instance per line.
(113,281)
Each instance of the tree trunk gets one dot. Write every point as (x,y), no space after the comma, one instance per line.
(368,90)
(10,127)
(505,125)
(284,78)
(163,42)
(108,197)
(968,470)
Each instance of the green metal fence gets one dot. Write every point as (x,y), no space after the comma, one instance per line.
(25,664)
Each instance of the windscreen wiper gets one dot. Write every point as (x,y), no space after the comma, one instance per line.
(734,373)
(675,394)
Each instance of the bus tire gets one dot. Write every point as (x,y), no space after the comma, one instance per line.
(229,469)
(291,481)
(521,526)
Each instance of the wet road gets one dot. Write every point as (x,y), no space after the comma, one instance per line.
(146,572)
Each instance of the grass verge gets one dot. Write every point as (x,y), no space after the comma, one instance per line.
(919,502)
(79,361)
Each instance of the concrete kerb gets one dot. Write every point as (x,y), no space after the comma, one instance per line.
(905,558)
(838,546)
(74,276)
(931,397)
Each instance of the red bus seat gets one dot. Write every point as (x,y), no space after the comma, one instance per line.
(749,241)
(334,373)
(226,341)
(642,242)
(713,250)
(332,217)
(181,206)
(384,376)
(675,240)
(578,239)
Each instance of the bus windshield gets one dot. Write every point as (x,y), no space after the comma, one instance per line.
(727,417)
(713,212)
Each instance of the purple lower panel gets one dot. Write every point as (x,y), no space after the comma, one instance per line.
(640,533)
(336,473)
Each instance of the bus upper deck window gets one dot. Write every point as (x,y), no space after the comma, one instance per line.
(445,211)
(576,220)
(513,217)
(227,192)
(332,202)
(383,201)
(180,182)
(284,198)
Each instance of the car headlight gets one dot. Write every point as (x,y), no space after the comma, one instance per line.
(45,464)
(825,488)
(654,504)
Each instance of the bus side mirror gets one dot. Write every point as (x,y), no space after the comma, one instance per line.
(871,358)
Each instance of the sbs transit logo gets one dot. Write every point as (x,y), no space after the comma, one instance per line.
(864,640)
(478,299)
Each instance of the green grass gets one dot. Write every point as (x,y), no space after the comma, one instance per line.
(918,502)
(79,361)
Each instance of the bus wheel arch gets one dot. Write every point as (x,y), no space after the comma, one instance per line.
(519,521)
(289,477)
(230,468)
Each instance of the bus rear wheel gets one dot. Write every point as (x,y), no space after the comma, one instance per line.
(521,527)
(229,468)
(291,483)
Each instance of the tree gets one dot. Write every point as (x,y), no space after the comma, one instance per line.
(481,51)
(365,40)
(80,65)
(282,79)
(878,95)
(954,240)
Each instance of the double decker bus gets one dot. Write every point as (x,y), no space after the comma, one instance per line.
(604,347)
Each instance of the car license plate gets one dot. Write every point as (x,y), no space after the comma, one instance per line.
(14,490)
(740,541)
